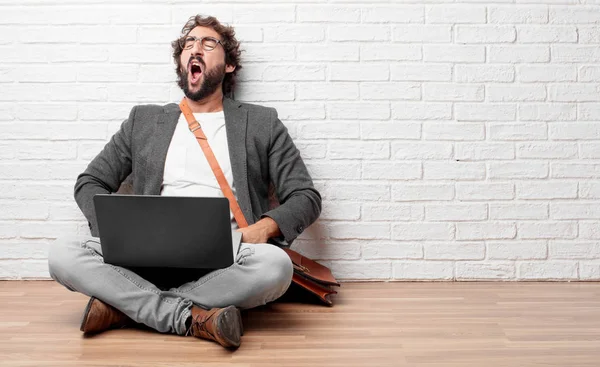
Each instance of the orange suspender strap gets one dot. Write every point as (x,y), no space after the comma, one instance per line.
(212,161)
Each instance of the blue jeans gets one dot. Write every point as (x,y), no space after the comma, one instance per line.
(260,274)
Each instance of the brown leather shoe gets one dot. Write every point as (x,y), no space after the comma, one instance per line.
(223,325)
(99,316)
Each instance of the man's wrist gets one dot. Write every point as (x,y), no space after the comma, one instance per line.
(270,226)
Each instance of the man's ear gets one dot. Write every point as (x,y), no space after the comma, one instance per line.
(229,68)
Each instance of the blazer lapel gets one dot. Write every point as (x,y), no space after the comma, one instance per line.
(163,133)
(236,122)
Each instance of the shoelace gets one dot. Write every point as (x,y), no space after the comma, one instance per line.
(199,325)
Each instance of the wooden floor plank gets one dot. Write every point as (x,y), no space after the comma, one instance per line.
(372,324)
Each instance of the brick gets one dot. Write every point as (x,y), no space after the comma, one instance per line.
(421,111)
(547,150)
(516,92)
(589,190)
(254,34)
(45,150)
(328,13)
(422,231)
(483,151)
(518,54)
(359,72)
(456,212)
(573,53)
(294,72)
(485,230)
(546,73)
(350,191)
(452,92)
(104,111)
(574,92)
(390,130)
(455,14)
(106,73)
(547,270)
(453,170)
(453,131)
(577,15)
(518,211)
(578,210)
(485,34)
(539,34)
(312,150)
(32,210)
(388,211)
(386,51)
(588,34)
(550,230)
(589,111)
(485,112)
(517,170)
(589,230)
(334,170)
(330,130)
(484,270)
(390,91)
(327,90)
(391,171)
(421,72)
(78,92)
(574,250)
(23,91)
(484,191)
(546,190)
(398,250)
(259,52)
(517,250)
(422,33)
(45,74)
(518,131)
(574,131)
(454,251)
(422,150)
(264,14)
(265,92)
(298,110)
(589,270)
(573,170)
(358,110)
(360,269)
(47,111)
(453,53)
(32,249)
(338,210)
(359,33)
(547,111)
(423,270)
(358,150)
(484,73)
(422,192)
(517,14)
(394,14)
(355,230)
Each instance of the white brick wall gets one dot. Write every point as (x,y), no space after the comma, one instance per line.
(449,141)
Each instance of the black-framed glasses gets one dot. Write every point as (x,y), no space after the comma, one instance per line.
(208,43)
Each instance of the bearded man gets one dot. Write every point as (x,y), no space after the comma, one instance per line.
(155,147)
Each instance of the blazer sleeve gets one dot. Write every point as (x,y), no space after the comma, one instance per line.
(106,171)
(300,202)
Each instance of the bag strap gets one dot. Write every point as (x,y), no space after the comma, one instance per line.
(212,161)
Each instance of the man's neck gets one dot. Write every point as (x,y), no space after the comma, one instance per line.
(212,103)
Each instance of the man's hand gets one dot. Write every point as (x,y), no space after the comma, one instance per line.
(260,231)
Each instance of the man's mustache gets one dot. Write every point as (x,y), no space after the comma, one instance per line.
(198,58)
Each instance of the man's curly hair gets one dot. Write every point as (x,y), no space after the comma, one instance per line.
(228,40)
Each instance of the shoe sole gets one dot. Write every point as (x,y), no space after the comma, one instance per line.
(230,327)
(85,314)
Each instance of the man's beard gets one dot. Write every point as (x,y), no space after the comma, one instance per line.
(211,80)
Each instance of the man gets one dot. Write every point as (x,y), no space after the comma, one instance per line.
(156,147)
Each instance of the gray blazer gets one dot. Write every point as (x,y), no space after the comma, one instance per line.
(261,153)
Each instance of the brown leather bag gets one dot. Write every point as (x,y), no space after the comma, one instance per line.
(308,274)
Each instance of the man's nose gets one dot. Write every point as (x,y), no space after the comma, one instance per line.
(197,48)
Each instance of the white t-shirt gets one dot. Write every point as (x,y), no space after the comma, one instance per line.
(187,172)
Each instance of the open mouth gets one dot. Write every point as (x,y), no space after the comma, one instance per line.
(195,72)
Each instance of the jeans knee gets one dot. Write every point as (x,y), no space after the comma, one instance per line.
(61,257)
(278,269)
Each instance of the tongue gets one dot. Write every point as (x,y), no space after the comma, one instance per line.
(195,77)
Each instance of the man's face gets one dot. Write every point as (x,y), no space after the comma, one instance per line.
(202,72)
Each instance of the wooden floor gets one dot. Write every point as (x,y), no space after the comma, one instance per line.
(372,324)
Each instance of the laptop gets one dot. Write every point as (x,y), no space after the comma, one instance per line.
(151,231)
